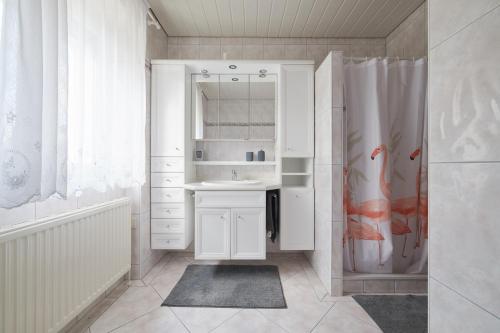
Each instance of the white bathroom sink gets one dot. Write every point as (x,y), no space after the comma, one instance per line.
(230,182)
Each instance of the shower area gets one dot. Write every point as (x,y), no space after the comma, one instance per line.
(374,113)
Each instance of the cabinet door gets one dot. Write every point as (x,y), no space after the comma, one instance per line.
(212,234)
(297,219)
(297,110)
(168,107)
(248,233)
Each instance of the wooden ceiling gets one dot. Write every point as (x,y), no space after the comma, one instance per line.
(282,18)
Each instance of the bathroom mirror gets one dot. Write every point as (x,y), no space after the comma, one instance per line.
(233,107)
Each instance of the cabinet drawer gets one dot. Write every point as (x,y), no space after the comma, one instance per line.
(167,164)
(167,241)
(167,210)
(228,199)
(167,194)
(167,179)
(174,226)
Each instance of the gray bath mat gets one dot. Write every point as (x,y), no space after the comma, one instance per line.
(234,286)
(396,313)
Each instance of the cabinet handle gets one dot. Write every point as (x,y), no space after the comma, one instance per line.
(297,196)
(240,217)
(168,180)
(168,164)
(168,226)
(177,148)
(222,217)
(167,211)
(168,195)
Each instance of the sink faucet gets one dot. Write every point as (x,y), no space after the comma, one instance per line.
(235,175)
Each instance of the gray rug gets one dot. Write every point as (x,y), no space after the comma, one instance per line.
(235,286)
(396,313)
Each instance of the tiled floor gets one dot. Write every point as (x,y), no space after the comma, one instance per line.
(310,309)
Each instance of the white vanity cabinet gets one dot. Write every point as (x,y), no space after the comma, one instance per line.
(230,225)
(171,209)
(297,110)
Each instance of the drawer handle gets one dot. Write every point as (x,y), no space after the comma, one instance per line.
(168,164)
(167,195)
(222,217)
(241,218)
(167,211)
(168,226)
(168,180)
(297,196)
(177,148)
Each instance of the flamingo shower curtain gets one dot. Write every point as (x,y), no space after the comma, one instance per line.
(385,179)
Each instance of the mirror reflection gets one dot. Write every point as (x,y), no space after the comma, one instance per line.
(233,107)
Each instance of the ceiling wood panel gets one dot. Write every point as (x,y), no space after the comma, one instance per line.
(277,11)
(250,11)
(301,17)
(238,17)
(314,17)
(288,18)
(212,17)
(263,16)
(282,18)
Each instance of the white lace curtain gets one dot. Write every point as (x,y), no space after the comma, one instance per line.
(72,97)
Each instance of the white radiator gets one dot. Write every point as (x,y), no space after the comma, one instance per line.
(51,270)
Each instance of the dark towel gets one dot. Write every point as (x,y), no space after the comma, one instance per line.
(272,214)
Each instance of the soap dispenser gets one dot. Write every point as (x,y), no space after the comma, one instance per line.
(261,155)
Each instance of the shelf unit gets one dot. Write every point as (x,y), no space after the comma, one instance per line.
(297,172)
(249,163)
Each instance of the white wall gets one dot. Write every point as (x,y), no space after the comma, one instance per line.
(326,258)
(464,183)
(409,39)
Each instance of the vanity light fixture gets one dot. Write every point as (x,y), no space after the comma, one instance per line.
(232,66)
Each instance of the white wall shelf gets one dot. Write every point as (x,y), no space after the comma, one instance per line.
(252,163)
(296,174)
(234,140)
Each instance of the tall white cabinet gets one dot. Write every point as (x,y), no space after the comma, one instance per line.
(171,208)
(297,153)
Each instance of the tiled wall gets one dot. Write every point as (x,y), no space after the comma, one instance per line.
(326,258)
(271,48)
(409,39)
(464,183)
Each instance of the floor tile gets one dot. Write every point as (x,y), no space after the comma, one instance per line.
(199,320)
(155,271)
(159,320)
(248,321)
(135,302)
(346,317)
(304,309)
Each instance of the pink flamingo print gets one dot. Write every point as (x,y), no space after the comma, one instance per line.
(398,227)
(406,207)
(378,210)
(422,203)
(360,231)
